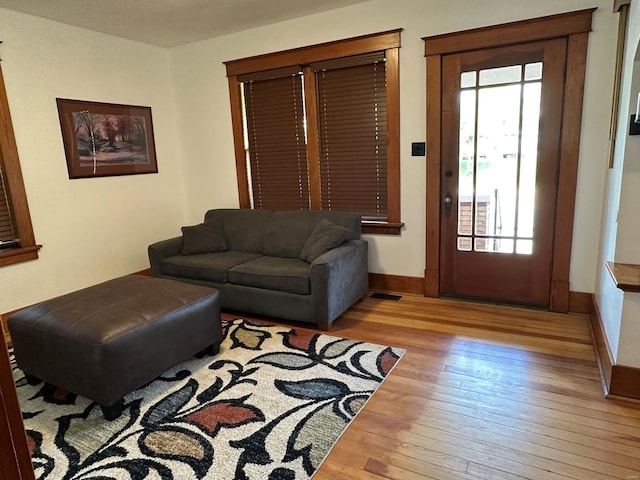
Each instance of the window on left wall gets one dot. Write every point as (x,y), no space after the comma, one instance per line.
(17,241)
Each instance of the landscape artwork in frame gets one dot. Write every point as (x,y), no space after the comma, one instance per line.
(104,139)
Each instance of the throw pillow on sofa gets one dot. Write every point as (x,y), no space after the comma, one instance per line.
(325,236)
(203,238)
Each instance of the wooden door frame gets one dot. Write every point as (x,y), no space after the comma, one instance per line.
(575,27)
(15,459)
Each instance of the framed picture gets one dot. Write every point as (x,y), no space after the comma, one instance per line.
(104,139)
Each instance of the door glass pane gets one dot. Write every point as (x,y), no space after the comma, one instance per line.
(524,247)
(496,76)
(468,79)
(495,245)
(529,158)
(466,160)
(464,244)
(533,71)
(498,144)
(498,154)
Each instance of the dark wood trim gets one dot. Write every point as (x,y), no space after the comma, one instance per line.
(396,283)
(4,317)
(559,296)
(434,152)
(568,175)
(15,183)
(618,4)
(382,228)
(313,143)
(626,276)
(618,380)
(238,142)
(580,302)
(623,26)
(600,345)
(15,458)
(18,255)
(316,53)
(146,271)
(575,27)
(531,30)
(393,135)
(625,382)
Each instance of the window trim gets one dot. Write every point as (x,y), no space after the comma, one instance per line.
(389,41)
(28,249)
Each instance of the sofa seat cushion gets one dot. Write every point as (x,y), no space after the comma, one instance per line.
(289,275)
(205,266)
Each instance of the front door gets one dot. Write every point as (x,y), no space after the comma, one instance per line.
(501,130)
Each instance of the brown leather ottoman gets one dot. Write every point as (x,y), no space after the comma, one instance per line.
(107,340)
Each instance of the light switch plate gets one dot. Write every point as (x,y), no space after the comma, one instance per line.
(418,149)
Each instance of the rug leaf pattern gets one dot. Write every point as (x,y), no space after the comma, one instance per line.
(270,405)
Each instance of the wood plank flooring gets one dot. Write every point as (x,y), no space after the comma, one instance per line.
(484,392)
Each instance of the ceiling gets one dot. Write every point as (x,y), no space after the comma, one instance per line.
(169,23)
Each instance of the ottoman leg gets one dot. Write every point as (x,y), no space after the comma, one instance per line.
(32,379)
(213,349)
(113,411)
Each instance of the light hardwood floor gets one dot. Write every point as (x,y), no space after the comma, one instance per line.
(484,391)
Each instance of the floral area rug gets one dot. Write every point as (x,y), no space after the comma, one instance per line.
(269,406)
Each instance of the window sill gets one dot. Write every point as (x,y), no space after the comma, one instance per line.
(382,228)
(18,255)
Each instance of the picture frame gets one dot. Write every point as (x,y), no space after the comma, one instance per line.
(105,139)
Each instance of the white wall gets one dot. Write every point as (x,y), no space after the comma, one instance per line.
(206,143)
(627,243)
(620,311)
(98,228)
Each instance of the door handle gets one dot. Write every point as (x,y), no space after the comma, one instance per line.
(447,204)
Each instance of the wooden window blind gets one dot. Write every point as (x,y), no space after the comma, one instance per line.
(277,144)
(352,135)
(346,100)
(8,231)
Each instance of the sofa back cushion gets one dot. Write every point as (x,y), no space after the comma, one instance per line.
(289,231)
(244,229)
(277,234)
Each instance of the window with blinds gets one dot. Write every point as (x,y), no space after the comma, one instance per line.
(275,131)
(8,231)
(318,128)
(17,242)
(352,135)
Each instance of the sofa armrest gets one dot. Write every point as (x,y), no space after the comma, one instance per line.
(339,278)
(160,250)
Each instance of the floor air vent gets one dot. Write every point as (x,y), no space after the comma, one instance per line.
(386,296)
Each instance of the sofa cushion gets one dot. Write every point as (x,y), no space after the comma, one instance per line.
(325,236)
(244,229)
(203,238)
(273,273)
(288,232)
(205,266)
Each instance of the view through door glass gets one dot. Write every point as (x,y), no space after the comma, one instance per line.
(499,116)
(500,149)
